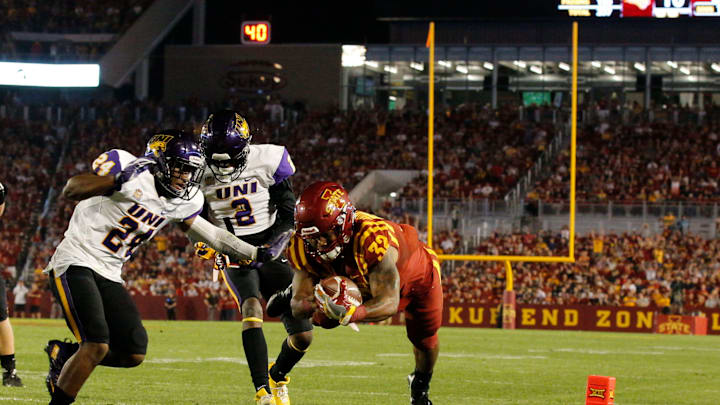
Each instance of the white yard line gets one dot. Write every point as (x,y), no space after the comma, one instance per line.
(471,355)
(238,360)
(604,352)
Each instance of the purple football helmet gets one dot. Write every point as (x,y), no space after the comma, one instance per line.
(181,163)
(225,138)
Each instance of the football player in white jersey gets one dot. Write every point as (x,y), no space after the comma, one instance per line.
(122,205)
(7,339)
(248,191)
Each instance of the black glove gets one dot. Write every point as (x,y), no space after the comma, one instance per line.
(2,193)
(273,250)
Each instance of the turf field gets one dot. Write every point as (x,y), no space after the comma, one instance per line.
(202,363)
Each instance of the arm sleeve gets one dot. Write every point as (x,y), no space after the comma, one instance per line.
(221,240)
(285,168)
(282,196)
(109,163)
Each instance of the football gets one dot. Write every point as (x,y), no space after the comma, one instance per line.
(331,285)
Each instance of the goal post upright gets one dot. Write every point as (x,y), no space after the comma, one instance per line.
(508,302)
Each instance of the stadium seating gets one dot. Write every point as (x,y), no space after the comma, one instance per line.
(665,162)
(53,30)
(628,269)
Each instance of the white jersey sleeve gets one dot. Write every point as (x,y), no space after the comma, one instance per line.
(104,231)
(243,206)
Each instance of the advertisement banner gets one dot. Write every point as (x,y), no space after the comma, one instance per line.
(567,317)
(550,317)
(680,325)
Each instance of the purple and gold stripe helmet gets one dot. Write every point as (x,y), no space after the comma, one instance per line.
(225,138)
(181,162)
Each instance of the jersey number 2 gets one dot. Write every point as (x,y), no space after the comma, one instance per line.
(243,212)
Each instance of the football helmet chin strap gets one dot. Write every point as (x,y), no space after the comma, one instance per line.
(221,240)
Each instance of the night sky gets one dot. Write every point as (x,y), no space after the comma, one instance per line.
(355,22)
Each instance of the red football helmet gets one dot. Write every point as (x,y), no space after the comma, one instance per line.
(324,217)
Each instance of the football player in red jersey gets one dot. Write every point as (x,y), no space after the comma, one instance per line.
(394,270)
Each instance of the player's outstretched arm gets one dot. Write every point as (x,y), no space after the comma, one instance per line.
(385,289)
(87,185)
(302,302)
(199,229)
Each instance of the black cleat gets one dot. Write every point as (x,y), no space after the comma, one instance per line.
(279,303)
(11,379)
(58,353)
(417,397)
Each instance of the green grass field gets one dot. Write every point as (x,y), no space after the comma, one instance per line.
(203,363)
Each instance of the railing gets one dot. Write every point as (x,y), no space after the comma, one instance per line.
(472,208)
(477,219)
(468,208)
(528,180)
(636,210)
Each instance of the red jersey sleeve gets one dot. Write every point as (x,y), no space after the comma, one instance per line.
(297,257)
(372,240)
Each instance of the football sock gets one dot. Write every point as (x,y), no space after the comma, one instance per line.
(286,360)
(421,382)
(59,397)
(256,354)
(8,362)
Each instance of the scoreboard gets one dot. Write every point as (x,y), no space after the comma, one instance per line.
(641,8)
(255,32)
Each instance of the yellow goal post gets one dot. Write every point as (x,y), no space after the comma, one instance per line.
(573,147)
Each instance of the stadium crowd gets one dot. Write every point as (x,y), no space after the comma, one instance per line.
(671,269)
(626,269)
(639,163)
(63,17)
(30,151)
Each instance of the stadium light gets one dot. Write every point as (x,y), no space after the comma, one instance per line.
(564,66)
(488,66)
(715,67)
(353,55)
(462,69)
(49,75)
(520,64)
(672,64)
(390,69)
(684,69)
(417,66)
(639,66)
(536,69)
(596,64)
(609,70)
